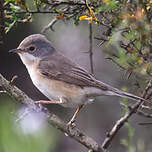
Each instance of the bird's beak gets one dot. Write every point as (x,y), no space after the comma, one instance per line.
(15,50)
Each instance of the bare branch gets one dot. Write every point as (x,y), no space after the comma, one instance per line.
(72,3)
(90,48)
(119,124)
(103,39)
(33,12)
(141,113)
(3,91)
(111,59)
(50,25)
(145,123)
(146,107)
(74,133)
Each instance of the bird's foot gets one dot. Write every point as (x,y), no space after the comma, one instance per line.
(71,123)
(41,102)
(40,107)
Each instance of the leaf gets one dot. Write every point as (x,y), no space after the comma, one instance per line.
(10,26)
(14,7)
(8,1)
(110,5)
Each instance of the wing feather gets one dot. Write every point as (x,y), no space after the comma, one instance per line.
(60,68)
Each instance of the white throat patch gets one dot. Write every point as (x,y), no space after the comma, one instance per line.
(27,58)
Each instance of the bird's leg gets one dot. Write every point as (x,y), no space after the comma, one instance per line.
(71,122)
(40,102)
(47,102)
(61,101)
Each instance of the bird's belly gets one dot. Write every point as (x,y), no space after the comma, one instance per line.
(55,90)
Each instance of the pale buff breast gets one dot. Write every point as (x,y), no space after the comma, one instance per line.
(54,89)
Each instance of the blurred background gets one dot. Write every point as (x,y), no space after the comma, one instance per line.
(32,133)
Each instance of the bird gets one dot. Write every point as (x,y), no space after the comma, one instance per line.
(61,80)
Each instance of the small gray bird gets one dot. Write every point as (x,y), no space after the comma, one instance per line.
(60,79)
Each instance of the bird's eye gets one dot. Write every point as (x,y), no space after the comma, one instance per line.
(32,48)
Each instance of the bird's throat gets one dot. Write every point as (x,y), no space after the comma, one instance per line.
(27,59)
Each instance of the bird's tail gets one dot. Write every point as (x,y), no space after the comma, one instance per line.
(113,91)
(127,95)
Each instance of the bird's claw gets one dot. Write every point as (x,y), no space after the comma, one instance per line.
(41,107)
(71,123)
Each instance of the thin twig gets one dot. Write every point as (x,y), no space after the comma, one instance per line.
(145,123)
(111,59)
(72,3)
(90,48)
(2,91)
(130,70)
(146,107)
(50,25)
(120,123)
(103,39)
(74,133)
(33,12)
(141,113)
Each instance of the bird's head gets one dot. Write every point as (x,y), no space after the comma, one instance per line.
(33,47)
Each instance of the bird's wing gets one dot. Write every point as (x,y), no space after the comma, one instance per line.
(59,67)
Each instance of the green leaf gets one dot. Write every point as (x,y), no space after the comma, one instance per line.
(122,60)
(9,26)
(8,1)
(108,7)
(14,7)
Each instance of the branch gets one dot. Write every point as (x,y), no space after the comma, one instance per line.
(33,12)
(141,113)
(50,25)
(90,48)
(53,4)
(130,70)
(72,3)
(74,133)
(119,124)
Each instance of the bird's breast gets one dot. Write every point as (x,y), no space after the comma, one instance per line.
(55,89)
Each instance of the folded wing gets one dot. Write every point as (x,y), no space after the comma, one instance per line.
(60,68)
